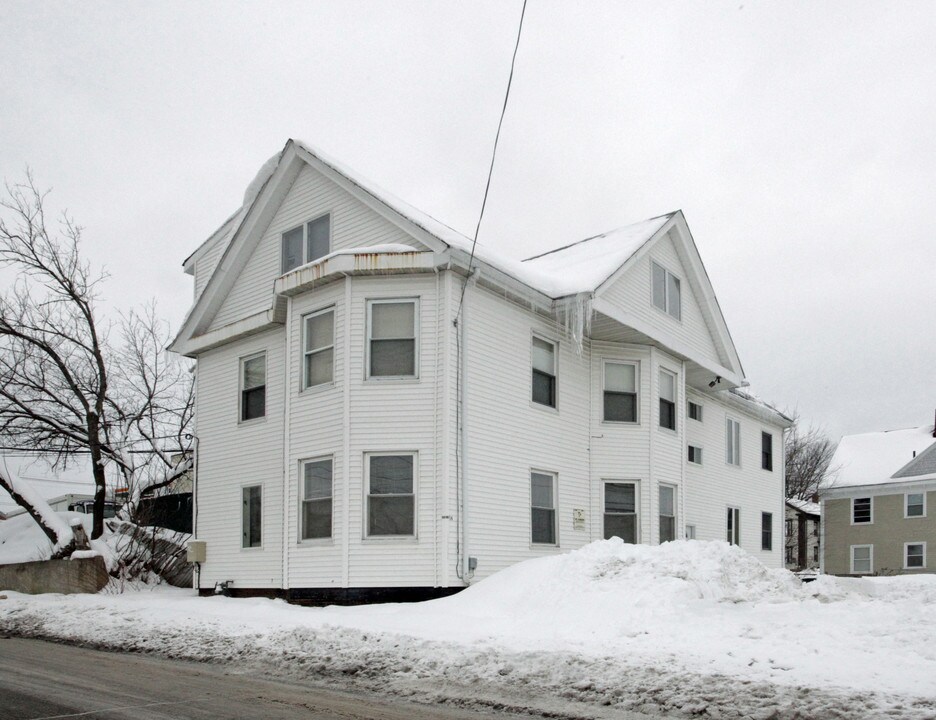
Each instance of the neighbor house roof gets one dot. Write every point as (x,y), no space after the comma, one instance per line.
(805,506)
(874,458)
(922,467)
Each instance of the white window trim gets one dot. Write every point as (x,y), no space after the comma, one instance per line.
(367,341)
(907,505)
(735,523)
(666,272)
(302,339)
(771,548)
(737,446)
(675,429)
(851,517)
(240,388)
(555,344)
(614,361)
(701,407)
(391,538)
(240,498)
(305,240)
(555,496)
(315,541)
(906,566)
(851,559)
(675,516)
(637,514)
(701,455)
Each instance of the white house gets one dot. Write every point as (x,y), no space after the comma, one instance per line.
(374,420)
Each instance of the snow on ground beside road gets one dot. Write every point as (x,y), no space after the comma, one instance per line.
(686,628)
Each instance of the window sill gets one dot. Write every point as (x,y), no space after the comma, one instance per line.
(401,379)
(252,421)
(391,539)
(251,549)
(316,542)
(318,389)
(547,408)
(621,423)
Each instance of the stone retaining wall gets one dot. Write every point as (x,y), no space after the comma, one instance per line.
(87,575)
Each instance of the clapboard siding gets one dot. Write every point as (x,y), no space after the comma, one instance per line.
(632,293)
(352,225)
(716,485)
(205,265)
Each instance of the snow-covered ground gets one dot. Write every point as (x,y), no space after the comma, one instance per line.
(682,629)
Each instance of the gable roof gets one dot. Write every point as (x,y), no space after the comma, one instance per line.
(805,506)
(581,268)
(874,458)
(923,466)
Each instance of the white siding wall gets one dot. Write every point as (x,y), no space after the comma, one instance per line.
(233,454)
(205,265)
(632,293)
(352,225)
(716,485)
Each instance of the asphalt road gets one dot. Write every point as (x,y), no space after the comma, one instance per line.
(42,681)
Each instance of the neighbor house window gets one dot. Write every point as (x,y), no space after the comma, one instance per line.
(253,387)
(391,338)
(766,442)
(391,500)
(861,511)
(862,559)
(695,455)
(690,532)
(815,553)
(766,531)
(318,353)
(789,556)
(316,499)
(695,411)
(915,505)
(251,516)
(734,526)
(543,508)
(620,511)
(544,372)
(667,513)
(306,243)
(914,555)
(666,292)
(620,392)
(667,400)
(789,528)
(732,442)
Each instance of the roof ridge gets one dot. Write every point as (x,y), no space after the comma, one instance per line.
(599,235)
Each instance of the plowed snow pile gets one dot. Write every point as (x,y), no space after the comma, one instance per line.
(685,628)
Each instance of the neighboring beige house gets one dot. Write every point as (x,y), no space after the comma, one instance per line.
(802,535)
(879,516)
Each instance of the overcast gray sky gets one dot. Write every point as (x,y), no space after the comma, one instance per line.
(798,138)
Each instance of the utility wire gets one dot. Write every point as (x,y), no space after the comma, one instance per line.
(487,185)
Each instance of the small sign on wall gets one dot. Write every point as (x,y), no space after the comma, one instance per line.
(578,519)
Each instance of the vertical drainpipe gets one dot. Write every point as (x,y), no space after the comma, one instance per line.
(435,430)
(446,439)
(462,323)
(683,437)
(287,397)
(654,378)
(346,437)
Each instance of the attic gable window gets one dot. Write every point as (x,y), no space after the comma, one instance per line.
(306,243)
(667,294)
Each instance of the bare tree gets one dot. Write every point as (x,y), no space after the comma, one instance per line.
(65,387)
(809,455)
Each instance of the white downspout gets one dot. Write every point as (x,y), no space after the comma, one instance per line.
(346,436)
(462,323)
(287,397)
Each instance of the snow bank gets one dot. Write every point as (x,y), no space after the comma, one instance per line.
(685,629)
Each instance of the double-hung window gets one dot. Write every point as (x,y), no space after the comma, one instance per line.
(666,292)
(543,508)
(915,505)
(251,516)
(391,500)
(766,451)
(318,350)
(766,542)
(544,372)
(667,513)
(914,555)
(620,392)
(733,535)
(862,559)
(695,455)
(306,243)
(316,499)
(620,511)
(695,411)
(732,442)
(667,400)
(862,511)
(391,338)
(253,387)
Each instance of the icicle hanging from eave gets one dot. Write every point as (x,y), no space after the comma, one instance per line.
(575,314)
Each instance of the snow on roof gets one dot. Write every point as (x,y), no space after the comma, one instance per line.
(752,398)
(810,508)
(873,458)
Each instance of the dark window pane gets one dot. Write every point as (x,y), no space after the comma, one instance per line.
(544,526)
(622,526)
(766,451)
(620,407)
(390,515)
(667,528)
(667,414)
(620,498)
(766,531)
(659,287)
(393,358)
(253,403)
(862,510)
(316,519)
(544,389)
(251,516)
(391,474)
(292,249)
(673,296)
(317,480)
(318,239)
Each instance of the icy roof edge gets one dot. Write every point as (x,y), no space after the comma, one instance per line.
(754,400)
